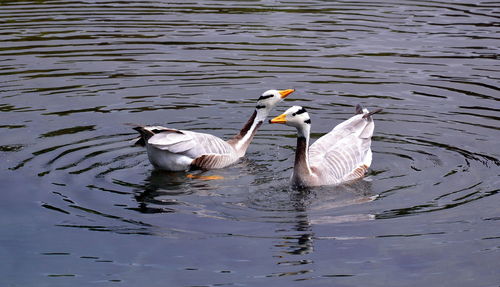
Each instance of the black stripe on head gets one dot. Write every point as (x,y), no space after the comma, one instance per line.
(308,121)
(265,97)
(301,111)
(258,107)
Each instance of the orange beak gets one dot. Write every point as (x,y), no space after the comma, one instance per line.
(285,93)
(281,119)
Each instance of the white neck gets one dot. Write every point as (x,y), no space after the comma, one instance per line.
(304,131)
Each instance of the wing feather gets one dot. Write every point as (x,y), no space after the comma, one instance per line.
(173,149)
(189,143)
(213,161)
(172,142)
(343,153)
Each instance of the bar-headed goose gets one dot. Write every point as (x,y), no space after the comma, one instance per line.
(341,155)
(180,150)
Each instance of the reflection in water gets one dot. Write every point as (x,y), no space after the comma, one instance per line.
(309,208)
(296,211)
(161,189)
(73,72)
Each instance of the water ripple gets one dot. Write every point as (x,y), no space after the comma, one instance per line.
(73,72)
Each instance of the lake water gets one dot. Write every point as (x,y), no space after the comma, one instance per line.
(81,206)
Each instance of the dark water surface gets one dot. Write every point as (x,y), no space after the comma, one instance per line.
(81,206)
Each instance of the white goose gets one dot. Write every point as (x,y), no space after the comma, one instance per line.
(341,155)
(180,150)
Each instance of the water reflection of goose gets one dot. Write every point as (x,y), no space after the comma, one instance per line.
(341,155)
(179,150)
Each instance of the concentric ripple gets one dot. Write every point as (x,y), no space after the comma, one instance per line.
(74,73)
(100,65)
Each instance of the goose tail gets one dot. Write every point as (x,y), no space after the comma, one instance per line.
(144,134)
(369,126)
(369,115)
(366,114)
(359,109)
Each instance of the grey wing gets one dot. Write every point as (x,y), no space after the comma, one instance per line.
(213,161)
(355,125)
(146,132)
(344,160)
(212,152)
(189,143)
(344,153)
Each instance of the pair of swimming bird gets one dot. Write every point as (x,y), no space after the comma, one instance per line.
(341,155)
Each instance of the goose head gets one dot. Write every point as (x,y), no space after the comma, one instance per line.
(297,117)
(271,98)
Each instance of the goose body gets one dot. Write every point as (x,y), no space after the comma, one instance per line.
(181,150)
(343,154)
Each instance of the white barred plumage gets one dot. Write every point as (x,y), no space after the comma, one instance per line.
(180,150)
(343,154)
